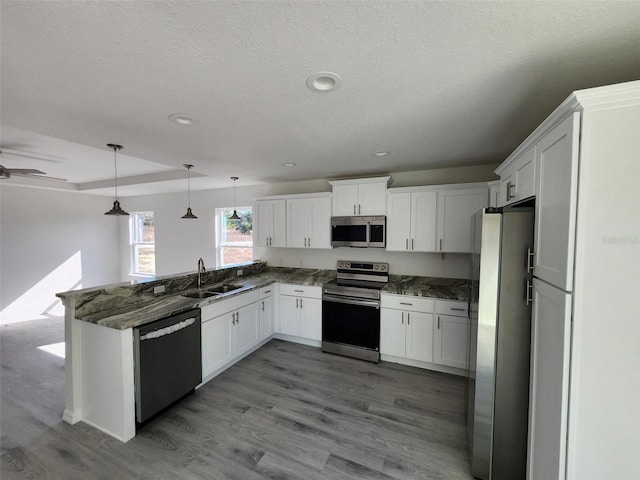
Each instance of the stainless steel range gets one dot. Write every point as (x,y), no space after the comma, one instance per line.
(351,310)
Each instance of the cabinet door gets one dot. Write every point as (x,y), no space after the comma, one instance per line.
(507,188)
(279,227)
(217,344)
(264,212)
(398,221)
(524,175)
(556,197)
(247,321)
(494,194)
(289,315)
(423,221)
(266,318)
(419,343)
(297,222)
(372,198)
(451,341)
(311,318)
(548,396)
(345,200)
(455,211)
(319,213)
(392,332)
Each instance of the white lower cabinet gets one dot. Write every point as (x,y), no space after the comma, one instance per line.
(301,311)
(451,341)
(229,330)
(406,327)
(267,313)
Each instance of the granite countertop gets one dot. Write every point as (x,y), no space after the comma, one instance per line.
(122,307)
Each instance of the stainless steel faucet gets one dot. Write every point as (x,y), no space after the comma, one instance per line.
(201,270)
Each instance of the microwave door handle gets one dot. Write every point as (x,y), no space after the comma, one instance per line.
(368,234)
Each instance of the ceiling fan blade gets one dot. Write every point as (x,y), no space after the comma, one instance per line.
(39,175)
(18,171)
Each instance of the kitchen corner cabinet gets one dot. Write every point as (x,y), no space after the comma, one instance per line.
(411,221)
(451,334)
(456,208)
(363,196)
(406,327)
(301,311)
(271,223)
(229,330)
(309,221)
(267,313)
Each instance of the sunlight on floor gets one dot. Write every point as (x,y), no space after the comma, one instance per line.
(56,349)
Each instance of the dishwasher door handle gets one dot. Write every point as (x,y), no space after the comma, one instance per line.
(168,330)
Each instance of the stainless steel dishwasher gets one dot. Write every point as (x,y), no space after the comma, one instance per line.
(168,362)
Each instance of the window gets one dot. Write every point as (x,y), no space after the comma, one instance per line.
(234,238)
(143,248)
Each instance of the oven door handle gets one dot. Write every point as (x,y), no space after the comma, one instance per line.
(351,301)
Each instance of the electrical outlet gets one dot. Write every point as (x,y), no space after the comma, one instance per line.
(239,273)
(159,289)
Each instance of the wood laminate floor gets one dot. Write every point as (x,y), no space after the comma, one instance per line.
(287,411)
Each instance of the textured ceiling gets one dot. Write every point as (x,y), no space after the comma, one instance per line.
(435,83)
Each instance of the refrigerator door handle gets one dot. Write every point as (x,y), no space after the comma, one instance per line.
(530,254)
(529,293)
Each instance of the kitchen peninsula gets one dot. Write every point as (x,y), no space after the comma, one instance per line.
(99,325)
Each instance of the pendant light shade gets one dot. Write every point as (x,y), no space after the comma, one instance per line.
(116,210)
(235,212)
(189,213)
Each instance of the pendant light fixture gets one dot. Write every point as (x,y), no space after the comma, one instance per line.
(235,212)
(116,210)
(189,213)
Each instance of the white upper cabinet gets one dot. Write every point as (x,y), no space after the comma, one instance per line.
(456,208)
(556,197)
(309,222)
(411,221)
(271,223)
(494,194)
(517,179)
(363,196)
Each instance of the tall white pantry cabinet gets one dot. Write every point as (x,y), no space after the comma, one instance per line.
(584,420)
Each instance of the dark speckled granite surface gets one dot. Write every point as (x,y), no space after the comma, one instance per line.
(125,306)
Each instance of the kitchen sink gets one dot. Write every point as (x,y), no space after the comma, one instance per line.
(200,294)
(224,288)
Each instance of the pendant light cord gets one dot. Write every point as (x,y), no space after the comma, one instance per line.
(115,168)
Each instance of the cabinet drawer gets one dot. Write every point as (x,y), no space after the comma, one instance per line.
(452,307)
(301,290)
(267,291)
(407,302)
(216,309)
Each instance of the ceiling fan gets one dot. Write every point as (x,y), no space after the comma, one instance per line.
(24,172)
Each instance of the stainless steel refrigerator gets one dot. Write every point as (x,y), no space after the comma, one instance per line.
(499,347)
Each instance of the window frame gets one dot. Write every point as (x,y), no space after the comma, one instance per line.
(135,243)
(220,246)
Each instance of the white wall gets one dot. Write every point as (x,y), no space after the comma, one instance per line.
(52,241)
(179,243)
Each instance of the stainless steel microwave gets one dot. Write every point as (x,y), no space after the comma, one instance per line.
(361,232)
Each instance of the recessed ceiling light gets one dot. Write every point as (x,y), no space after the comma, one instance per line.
(382,153)
(324,81)
(289,164)
(181,119)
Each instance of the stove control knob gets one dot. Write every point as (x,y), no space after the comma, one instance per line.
(383,268)
(376,267)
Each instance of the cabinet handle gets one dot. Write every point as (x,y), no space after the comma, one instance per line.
(406,244)
(237,317)
(358,209)
(529,293)
(266,292)
(512,187)
(412,244)
(309,242)
(438,322)
(530,255)
(402,317)
(405,303)
(297,302)
(299,291)
(354,208)
(300,303)
(457,309)
(270,241)
(262,306)
(408,318)
(233,319)
(440,244)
